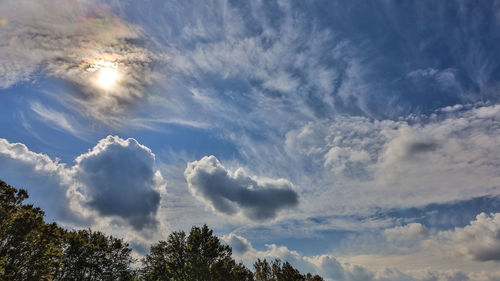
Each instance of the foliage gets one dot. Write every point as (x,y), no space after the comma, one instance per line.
(278,271)
(31,249)
(197,257)
(92,255)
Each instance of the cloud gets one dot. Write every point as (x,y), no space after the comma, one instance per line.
(233,192)
(74,41)
(480,240)
(57,119)
(119,180)
(463,253)
(341,269)
(410,231)
(40,163)
(446,77)
(115,179)
(358,164)
(239,244)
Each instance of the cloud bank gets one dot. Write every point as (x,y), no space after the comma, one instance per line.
(437,258)
(234,192)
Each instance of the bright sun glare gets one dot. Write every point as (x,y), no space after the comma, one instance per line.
(107,77)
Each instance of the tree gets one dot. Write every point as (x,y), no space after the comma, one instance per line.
(310,277)
(30,249)
(197,257)
(278,271)
(263,271)
(90,255)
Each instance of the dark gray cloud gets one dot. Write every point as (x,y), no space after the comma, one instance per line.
(230,193)
(119,180)
(419,147)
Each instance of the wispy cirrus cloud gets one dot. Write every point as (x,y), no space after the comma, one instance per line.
(56,119)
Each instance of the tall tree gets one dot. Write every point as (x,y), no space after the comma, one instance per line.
(263,270)
(200,256)
(90,255)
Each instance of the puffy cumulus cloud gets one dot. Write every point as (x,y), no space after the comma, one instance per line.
(45,179)
(233,192)
(81,42)
(41,163)
(116,180)
(119,179)
(480,240)
(412,231)
(239,244)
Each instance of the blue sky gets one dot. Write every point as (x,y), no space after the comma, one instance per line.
(359,140)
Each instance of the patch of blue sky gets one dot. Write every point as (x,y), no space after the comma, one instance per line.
(196,142)
(28,115)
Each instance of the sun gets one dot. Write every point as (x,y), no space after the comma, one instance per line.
(107,77)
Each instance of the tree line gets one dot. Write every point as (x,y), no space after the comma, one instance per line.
(31,249)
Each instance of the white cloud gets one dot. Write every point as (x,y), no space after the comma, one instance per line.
(344,269)
(40,163)
(410,231)
(356,163)
(56,119)
(445,77)
(471,252)
(480,240)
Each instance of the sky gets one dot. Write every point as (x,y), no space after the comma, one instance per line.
(356,139)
